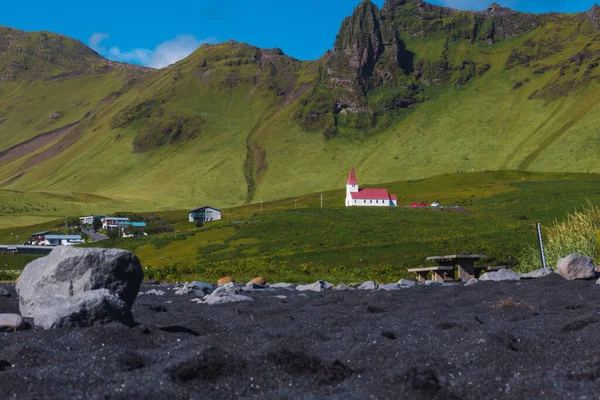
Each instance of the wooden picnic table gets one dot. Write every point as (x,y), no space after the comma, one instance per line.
(465,263)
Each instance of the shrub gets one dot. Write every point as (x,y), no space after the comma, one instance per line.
(578,233)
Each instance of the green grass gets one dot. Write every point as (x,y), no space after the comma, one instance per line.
(352,244)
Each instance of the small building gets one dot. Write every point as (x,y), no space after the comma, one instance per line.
(38,237)
(367,197)
(205,214)
(62,240)
(138,225)
(113,222)
(89,220)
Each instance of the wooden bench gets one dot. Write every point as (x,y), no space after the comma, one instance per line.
(439,273)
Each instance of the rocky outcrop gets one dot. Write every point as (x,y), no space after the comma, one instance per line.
(594,15)
(80,287)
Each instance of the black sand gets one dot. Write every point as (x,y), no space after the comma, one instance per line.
(426,342)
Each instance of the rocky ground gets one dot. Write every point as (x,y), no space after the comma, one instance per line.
(517,339)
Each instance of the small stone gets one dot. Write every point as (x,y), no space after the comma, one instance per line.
(11,323)
(406,282)
(500,275)
(471,282)
(318,286)
(254,286)
(207,288)
(155,292)
(598,282)
(343,287)
(369,285)
(434,283)
(4,292)
(576,266)
(225,280)
(196,300)
(539,273)
(226,294)
(391,286)
(260,280)
(282,286)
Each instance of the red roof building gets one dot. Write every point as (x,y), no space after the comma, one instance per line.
(367,197)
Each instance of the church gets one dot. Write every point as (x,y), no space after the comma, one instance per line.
(367,197)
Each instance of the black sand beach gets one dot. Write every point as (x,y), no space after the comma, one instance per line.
(513,340)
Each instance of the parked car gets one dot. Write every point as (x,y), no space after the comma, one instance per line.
(418,205)
(435,204)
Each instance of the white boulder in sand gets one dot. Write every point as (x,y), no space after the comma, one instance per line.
(80,287)
(228,293)
(318,286)
(500,275)
(576,266)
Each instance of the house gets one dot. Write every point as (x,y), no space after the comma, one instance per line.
(38,237)
(113,222)
(205,214)
(62,240)
(89,220)
(367,197)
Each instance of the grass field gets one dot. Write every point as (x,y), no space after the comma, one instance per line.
(296,240)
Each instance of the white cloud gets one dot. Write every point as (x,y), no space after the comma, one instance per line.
(164,54)
(95,40)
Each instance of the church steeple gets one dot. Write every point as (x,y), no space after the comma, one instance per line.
(352,178)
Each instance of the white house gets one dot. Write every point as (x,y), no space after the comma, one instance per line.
(367,197)
(113,222)
(89,220)
(205,214)
(62,240)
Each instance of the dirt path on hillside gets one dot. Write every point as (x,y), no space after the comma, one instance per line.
(36,143)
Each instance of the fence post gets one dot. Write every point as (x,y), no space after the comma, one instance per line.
(541,243)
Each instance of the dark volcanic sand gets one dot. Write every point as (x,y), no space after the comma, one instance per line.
(426,342)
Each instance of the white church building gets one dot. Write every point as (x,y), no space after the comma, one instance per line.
(367,197)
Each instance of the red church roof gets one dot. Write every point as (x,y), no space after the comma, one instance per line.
(373,194)
(352,178)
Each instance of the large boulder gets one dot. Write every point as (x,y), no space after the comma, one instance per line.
(576,266)
(51,287)
(500,275)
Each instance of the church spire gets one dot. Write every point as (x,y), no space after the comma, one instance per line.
(352,178)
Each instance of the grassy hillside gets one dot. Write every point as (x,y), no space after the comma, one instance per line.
(444,91)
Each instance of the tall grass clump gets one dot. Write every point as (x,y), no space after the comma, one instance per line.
(577,233)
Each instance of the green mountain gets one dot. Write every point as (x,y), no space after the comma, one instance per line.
(409,90)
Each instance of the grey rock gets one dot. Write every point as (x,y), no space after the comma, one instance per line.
(434,283)
(11,323)
(53,285)
(4,292)
(227,293)
(342,287)
(576,266)
(196,300)
(500,275)
(539,273)
(207,288)
(154,292)
(391,286)
(471,282)
(282,286)
(254,286)
(85,309)
(406,282)
(318,286)
(369,285)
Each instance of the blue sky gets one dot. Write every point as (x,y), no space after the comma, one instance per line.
(157,33)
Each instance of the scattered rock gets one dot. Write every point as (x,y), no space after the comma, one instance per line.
(4,292)
(227,293)
(85,309)
(501,275)
(369,285)
(254,286)
(538,273)
(207,288)
(94,285)
(390,286)
(260,280)
(343,287)
(434,283)
(282,286)
(471,282)
(225,280)
(155,292)
(196,300)
(598,282)
(11,323)
(318,286)
(406,282)
(576,266)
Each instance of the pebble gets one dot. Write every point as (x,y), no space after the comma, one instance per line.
(391,286)
(155,292)
(11,323)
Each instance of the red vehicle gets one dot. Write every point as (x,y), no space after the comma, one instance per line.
(418,205)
